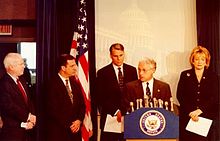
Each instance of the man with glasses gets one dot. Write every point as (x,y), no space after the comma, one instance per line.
(146,86)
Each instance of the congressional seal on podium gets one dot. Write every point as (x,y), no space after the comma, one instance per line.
(152,122)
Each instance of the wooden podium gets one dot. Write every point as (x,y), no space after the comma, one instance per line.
(151,124)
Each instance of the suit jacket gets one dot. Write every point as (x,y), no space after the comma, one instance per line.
(134,90)
(61,112)
(192,95)
(109,94)
(14,109)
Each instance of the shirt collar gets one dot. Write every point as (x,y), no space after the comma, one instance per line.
(14,78)
(116,68)
(63,78)
(150,83)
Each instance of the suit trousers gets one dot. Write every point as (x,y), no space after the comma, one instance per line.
(108,136)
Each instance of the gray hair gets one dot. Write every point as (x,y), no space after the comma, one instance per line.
(149,61)
(11,59)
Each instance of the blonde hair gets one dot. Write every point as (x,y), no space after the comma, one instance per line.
(199,50)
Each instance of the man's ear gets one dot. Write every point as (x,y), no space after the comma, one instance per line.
(63,68)
(154,70)
(10,67)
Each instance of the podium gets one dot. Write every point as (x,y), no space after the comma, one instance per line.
(151,124)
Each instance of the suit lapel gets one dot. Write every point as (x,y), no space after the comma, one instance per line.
(73,86)
(155,88)
(126,73)
(112,75)
(139,89)
(16,90)
(63,90)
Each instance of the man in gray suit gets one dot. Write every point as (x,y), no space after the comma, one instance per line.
(146,85)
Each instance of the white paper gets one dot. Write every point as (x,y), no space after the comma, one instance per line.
(201,127)
(24,125)
(112,125)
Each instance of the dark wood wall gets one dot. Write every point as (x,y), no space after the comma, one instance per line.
(21,14)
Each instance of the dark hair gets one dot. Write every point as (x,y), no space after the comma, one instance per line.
(62,61)
(116,46)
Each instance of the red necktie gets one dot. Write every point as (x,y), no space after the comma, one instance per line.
(24,95)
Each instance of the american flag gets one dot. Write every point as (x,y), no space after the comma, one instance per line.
(79,49)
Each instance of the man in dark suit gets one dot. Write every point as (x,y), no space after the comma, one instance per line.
(110,89)
(147,85)
(65,103)
(16,107)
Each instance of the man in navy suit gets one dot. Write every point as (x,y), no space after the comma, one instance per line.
(65,103)
(16,107)
(110,89)
(137,89)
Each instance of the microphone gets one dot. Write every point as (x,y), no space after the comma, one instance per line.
(160,103)
(151,104)
(141,104)
(137,101)
(132,106)
(155,102)
(171,102)
(146,103)
(166,105)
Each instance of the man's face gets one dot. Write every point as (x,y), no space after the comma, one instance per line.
(18,68)
(145,71)
(117,57)
(71,68)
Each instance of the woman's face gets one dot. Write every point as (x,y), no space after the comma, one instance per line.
(199,61)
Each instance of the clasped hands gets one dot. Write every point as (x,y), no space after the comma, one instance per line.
(195,114)
(30,123)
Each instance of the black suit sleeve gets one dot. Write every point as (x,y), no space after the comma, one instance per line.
(59,107)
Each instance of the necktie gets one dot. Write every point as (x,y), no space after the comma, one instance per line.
(120,79)
(68,90)
(148,92)
(24,95)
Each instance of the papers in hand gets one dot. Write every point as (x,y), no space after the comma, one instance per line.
(201,127)
(112,125)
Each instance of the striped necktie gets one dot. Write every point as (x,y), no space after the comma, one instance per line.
(120,79)
(148,93)
(68,90)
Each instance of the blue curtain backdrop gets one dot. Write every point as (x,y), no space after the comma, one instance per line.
(56,22)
